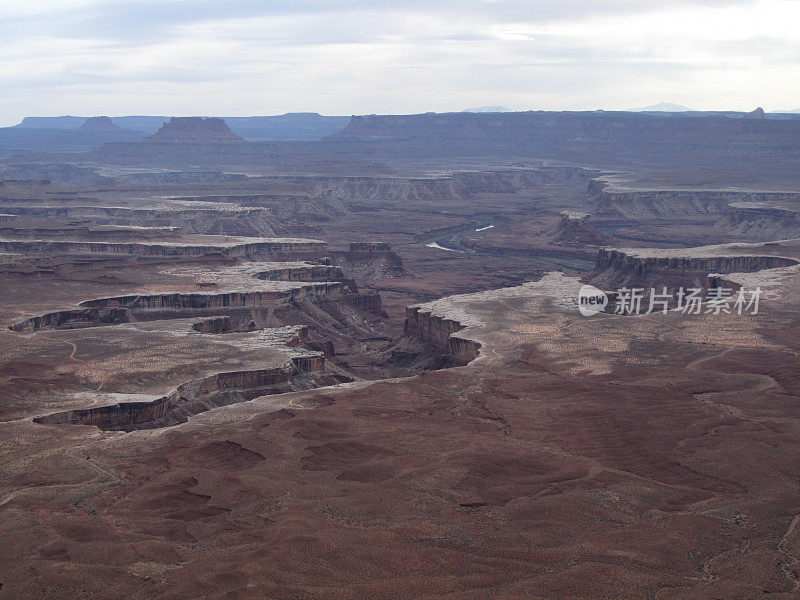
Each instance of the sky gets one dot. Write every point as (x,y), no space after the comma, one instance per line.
(343,57)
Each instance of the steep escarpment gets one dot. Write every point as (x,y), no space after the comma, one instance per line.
(225,219)
(254,306)
(452,186)
(612,200)
(303,273)
(585,134)
(620,268)
(574,229)
(252,248)
(200,395)
(182,130)
(368,261)
(440,332)
(214,325)
(760,222)
(85,231)
(99,124)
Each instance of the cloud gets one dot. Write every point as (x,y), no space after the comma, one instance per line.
(359,56)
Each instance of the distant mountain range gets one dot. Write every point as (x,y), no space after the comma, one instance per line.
(487,109)
(662,107)
(80,134)
(288,127)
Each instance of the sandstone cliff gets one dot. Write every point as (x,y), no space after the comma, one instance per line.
(99,124)
(196,130)
(440,332)
(618,268)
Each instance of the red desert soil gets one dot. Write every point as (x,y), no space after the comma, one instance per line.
(527,474)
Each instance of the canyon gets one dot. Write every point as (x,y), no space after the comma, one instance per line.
(354,366)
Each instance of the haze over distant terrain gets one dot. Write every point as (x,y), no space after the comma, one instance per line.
(662,107)
(356,57)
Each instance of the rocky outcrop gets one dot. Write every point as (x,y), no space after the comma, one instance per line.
(184,301)
(616,269)
(75,318)
(370,247)
(453,186)
(575,230)
(222,311)
(369,264)
(304,273)
(99,124)
(579,134)
(153,307)
(761,222)
(757,113)
(229,220)
(88,232)
(661,203)
(195,130)
(200,395)
(440,332)
(311,363)
(639,204)
(369,301)
(275,248)
(214,325)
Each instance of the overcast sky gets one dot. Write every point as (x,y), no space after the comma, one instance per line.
(242,57)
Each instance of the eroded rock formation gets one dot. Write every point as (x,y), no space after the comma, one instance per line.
(200,395)
(643,203)
(244,305)
(196,130)
(263,248)
(620,268)
(440,332)
(99,124)
(574,229)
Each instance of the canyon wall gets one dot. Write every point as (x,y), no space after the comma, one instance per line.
(264,249)
(671,203)
(591,133)
(198,396)
(453,186)
(761,222)
(616,269)
(194,130)
(242,306)
(440,332)
(228,220)
(369,264)
(214,325)
(304,273)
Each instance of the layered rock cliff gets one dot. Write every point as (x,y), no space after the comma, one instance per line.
(612,200)
(618,268)
(761,222)
(196,130)
(580,134)
(228,220)
(453,186)
(244,306)
(99,124)
(200,395)
(440,332)
(575,229)
(266,248)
